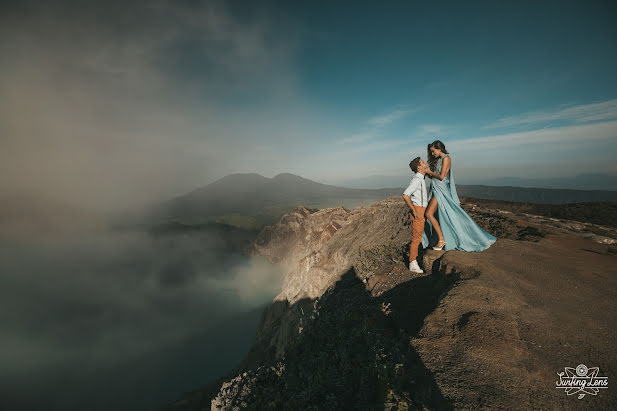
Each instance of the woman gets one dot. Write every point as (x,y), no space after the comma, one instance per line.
(453,227)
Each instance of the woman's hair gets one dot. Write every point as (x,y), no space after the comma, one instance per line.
(432,160)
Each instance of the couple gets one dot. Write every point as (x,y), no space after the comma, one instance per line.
(450,228)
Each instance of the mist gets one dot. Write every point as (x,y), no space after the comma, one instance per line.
(107,109)
(90,317)
(116,106)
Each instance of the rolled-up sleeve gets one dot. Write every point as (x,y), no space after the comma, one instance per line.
(411,188)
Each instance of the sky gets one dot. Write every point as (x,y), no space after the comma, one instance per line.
(110,105)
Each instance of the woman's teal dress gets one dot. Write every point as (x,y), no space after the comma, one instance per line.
(459,230)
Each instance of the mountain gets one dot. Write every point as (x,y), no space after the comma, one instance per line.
(250,194)
(374,181)
(251,201)
(352,328)
(589,181)
(535,195)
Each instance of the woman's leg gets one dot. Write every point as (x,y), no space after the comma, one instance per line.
(430,215)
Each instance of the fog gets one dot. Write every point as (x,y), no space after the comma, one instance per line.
(121,319)
(116,105)
(108,108)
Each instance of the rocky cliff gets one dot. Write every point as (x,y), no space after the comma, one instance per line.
(353,328)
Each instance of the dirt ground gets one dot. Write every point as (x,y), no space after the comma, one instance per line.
(521,313)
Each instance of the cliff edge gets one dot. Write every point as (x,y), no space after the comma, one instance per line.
(353,328)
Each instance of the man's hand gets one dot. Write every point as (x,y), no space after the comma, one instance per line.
(412,214)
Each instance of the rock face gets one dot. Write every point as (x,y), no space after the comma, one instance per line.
(353,328)
(298,233)
(321,245)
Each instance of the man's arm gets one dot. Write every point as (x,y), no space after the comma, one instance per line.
(410,204)
(413,185)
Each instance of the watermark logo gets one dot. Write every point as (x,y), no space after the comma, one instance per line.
(581,380)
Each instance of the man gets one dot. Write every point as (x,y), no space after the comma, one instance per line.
(416,198)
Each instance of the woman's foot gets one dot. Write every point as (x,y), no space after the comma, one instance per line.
(440,245)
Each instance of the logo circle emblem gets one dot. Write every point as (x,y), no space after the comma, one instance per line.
(581,370)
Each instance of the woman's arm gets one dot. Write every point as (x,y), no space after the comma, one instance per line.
(445,167)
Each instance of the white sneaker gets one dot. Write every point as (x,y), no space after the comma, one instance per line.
(414,267)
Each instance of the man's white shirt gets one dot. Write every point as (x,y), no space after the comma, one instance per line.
(417,190)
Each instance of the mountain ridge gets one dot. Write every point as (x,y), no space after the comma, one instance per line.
(583,181)
(269,198)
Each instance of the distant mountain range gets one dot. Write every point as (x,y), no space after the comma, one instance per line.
(235,197)
(251,200)
(603,182)
(580,182)
(535,195)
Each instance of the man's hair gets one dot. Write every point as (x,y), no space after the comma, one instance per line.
(414,164)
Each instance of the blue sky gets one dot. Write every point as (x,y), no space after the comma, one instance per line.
(156,99)
(463,73)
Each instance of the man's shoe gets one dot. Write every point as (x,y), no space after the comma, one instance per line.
(414,267)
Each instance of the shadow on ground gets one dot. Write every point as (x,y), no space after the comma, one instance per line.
(352,351)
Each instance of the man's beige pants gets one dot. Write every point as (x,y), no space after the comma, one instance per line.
(417,228)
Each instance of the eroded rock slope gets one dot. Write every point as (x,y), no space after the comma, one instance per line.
(353,328)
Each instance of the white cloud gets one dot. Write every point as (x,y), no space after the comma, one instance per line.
(533,139)
(377,124)
(548,152)
(606,110)
(384,120)
(432,130)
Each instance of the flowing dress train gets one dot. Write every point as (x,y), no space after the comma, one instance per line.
(460,231)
